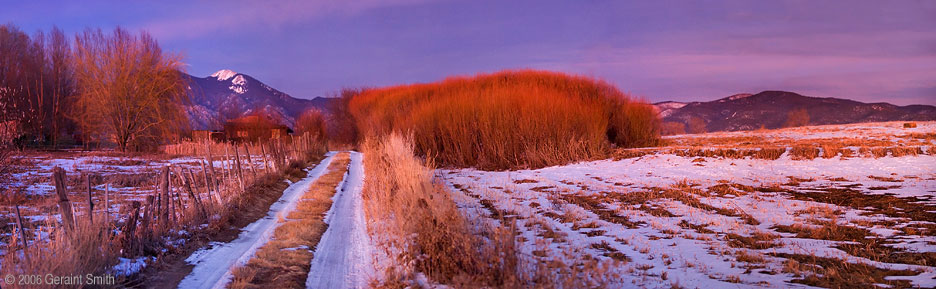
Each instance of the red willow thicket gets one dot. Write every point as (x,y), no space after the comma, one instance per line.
(508,119)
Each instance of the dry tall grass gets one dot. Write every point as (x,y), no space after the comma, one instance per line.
(508,119)
(422,231)
(86,251)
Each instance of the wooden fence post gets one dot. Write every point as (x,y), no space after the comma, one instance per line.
(164,198)
(205,172)
(58,177)
(132,224)
(148,212)
(266,166)
(187,187)
(180,204)
(237,162)
(90,201)
(19,220)
(295,146)
(250,162)
(208,185)
(106,203)
(224,165)
(211,169)
(194,185)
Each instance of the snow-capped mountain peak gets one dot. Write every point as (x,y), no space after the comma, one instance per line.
(224,74)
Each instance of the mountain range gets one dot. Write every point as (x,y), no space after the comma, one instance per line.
(227,95)
(770,109)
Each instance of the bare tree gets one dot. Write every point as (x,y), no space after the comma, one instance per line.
(797,117)
(61,78)
(17,71)
(129,91)
(312,123)
(34,81)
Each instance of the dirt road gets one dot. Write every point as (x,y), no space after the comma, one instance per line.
(343,256)
(213,265)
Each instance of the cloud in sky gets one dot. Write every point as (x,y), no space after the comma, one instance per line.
(662,50)
(204,18)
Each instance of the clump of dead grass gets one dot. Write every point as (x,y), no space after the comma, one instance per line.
(443,244)
(837,273)
(804,152)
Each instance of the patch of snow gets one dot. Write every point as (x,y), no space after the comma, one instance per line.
(239,84)
(239,80)
(128,267)
(223,74)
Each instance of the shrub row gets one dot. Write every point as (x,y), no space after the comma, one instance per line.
(508,119)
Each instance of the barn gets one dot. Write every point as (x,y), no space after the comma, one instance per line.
(254,128)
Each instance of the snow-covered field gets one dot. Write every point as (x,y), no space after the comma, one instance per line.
(662,219)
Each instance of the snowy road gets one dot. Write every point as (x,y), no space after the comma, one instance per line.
(213,265)
(343,256)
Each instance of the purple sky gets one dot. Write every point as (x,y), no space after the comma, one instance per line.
(660,50)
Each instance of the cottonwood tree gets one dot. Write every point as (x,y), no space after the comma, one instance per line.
(696,125)
(673,128)
(129,90)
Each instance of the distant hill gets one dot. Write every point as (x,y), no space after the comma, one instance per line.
(227,95)
(769,109)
